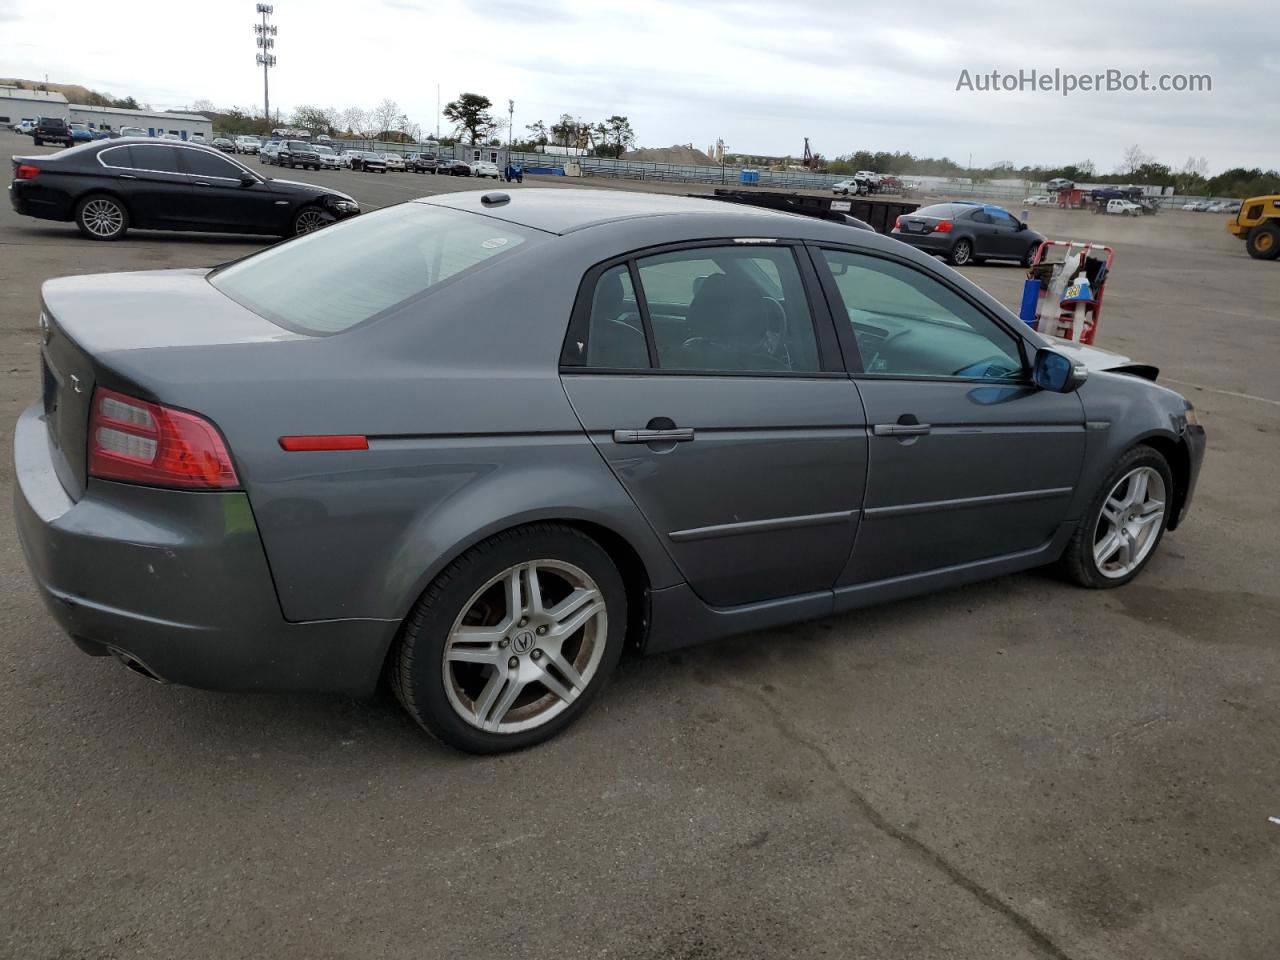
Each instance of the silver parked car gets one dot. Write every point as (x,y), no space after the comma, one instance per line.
(480,443)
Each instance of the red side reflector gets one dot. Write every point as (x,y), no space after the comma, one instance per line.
(943,226)
(26,171)
(348,441)
(897,223)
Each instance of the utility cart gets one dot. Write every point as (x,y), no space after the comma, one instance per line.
(1064,293)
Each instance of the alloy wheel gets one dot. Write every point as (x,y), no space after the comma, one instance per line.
(102,217)
(525,647)
(962,253)
(1129,523)
(308,221)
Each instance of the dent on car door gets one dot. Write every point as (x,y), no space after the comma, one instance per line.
(699,376)
(968,461)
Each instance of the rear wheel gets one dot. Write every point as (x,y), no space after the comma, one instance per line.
(512,642)
(961,253)
(1263,242)
(1125,522)
(101,217)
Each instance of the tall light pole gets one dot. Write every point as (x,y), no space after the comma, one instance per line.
(266,59)
(511,123)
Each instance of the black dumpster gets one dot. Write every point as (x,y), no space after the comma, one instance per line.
(879,214)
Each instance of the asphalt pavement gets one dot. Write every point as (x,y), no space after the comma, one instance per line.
(1015,769)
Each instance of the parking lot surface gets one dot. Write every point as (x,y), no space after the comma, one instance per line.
(1019,768)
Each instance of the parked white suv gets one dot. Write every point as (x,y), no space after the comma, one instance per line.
(247,144)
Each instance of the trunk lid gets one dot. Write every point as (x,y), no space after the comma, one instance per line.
(87,323)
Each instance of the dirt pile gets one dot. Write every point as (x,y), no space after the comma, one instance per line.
(674,154)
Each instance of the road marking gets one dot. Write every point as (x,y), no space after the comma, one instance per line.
(1225,393)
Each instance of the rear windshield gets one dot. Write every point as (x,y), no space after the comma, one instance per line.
(329,281)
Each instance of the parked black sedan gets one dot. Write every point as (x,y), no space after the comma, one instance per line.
(107,186)
(369,162)
(968,233)
(455,168)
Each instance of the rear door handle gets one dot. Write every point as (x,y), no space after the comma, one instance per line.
(901,429)
(201,183)
(127,176)
(675,435)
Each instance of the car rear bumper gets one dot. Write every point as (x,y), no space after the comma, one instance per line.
(939,243)
(176,582)
(30,199)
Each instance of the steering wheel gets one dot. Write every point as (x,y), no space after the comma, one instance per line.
(985,364)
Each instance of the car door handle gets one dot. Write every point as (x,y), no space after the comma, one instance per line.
(201,183)
(127,176)
(674,435)
(901,429)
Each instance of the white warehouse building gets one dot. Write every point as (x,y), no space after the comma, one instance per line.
(17,104)
(155,122)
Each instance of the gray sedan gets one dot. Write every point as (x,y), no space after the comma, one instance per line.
(481,443)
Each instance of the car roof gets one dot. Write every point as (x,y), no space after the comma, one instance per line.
(565,211)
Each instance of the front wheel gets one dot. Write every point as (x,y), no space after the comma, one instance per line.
(101,217)
(310,219)
(1125,522)
(1263,242)
(961,253)
(1029,257)
(512,642)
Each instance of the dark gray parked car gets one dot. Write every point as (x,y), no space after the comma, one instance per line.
(480,443)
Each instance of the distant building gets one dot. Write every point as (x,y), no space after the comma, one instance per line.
(155,122)
(18,104)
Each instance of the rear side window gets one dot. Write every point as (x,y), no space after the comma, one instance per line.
(147,156)
(722,309)
(330,280)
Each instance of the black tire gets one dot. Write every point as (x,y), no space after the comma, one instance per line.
(961,252)
(92,226)
(415,667)
(1030,255)
(1077,562)
(309,218)
(39,142)
(1263,242)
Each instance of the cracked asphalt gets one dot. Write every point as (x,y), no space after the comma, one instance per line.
(1018,769)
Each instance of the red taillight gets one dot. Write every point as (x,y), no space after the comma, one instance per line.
(143,442)
(26,171)
(897,223)
(346,441)
(943,226)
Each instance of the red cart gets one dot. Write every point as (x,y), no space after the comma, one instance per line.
(1076,319)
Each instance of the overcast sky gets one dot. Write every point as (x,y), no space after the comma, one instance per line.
(762,74)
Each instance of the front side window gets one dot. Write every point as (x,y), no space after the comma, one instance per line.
(906,323)
(203,164)
(729,309)
(330,280)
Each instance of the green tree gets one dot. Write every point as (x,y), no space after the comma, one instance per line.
(470,116)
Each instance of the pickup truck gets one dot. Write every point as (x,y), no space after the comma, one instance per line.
(51,130)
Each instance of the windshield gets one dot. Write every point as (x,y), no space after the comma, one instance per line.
(330,280)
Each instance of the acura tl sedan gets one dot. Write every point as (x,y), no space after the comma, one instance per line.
(480,443)
(108,186)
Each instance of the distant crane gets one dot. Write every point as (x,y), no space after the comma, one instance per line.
(812,161)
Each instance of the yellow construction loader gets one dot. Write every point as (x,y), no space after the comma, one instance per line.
(1258,225)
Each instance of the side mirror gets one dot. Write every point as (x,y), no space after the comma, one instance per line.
(1053,371)
(1022,225)
(247,179)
